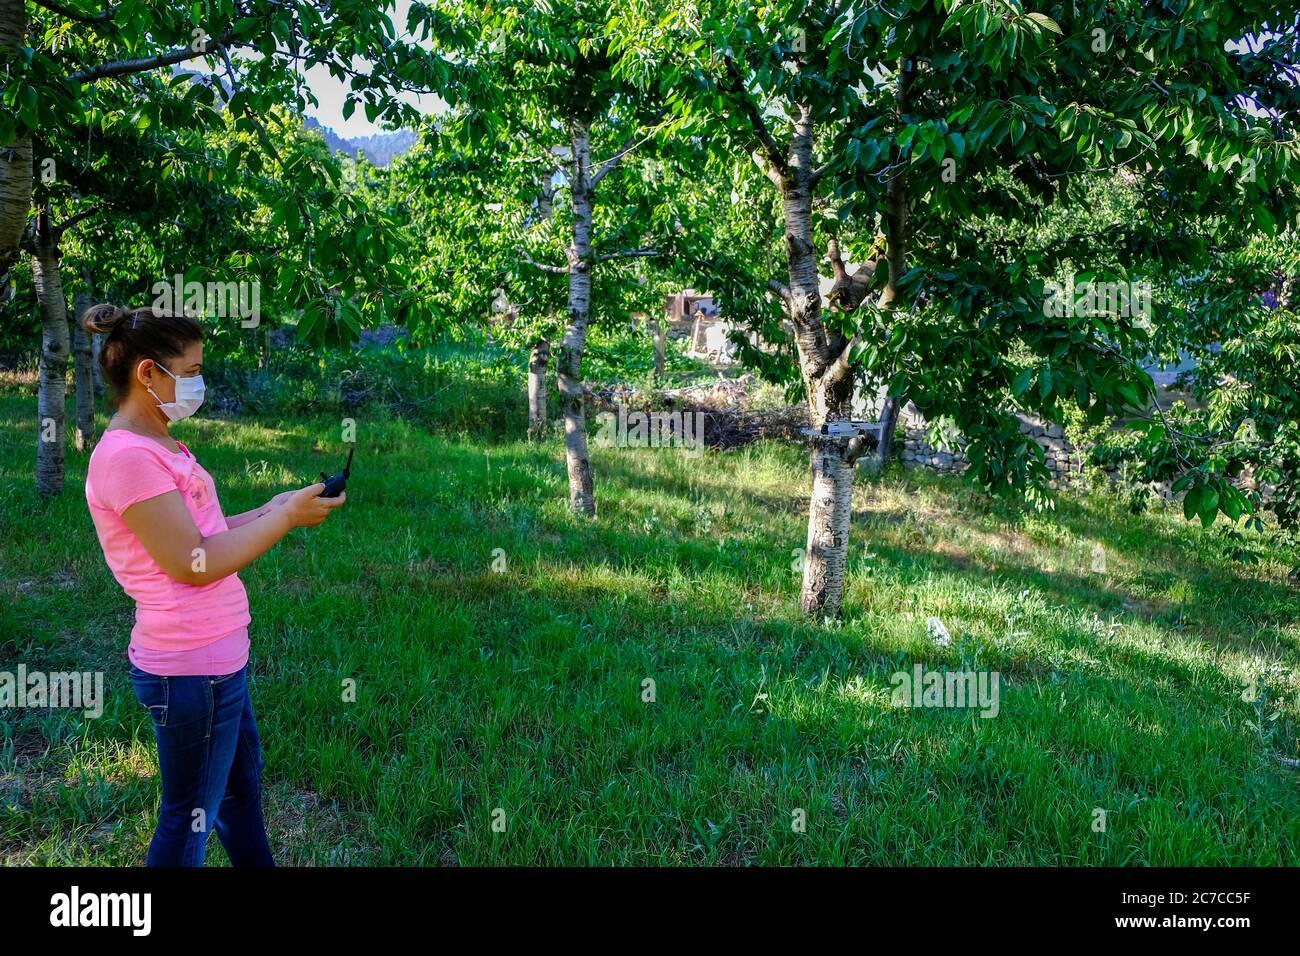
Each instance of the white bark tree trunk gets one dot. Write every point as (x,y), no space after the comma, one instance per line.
(829,510)
(96,374)
(657,333)
(828,383)
(52,390)
(888,425)
(569,364)
(15,157)
(538,360)
(81,374)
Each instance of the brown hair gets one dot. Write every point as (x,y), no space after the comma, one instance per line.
(134,334)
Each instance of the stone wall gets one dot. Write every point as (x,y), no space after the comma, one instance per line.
(914,447)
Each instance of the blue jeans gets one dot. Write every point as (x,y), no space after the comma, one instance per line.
(210,760)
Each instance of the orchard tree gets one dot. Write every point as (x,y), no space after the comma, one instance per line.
(1235,449)
(477,222)
(544,90)
(98,233)
(484,223)
(935,124)
(261,49)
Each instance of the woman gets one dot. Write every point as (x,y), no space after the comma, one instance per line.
(168,544)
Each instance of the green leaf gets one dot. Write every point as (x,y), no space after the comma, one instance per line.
(1046,22)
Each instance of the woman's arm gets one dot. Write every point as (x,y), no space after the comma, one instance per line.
(165,528)
(234,521)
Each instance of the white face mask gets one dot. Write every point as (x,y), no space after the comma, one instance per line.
(189,396)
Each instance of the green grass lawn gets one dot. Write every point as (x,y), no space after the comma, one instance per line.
(1121,689)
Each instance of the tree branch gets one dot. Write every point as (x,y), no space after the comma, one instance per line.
(610,163)
(840,367)
(770,147)
(128,67)
(896,201)
(73,220)
(652,123)
(545,267)
(780,288)
(265,139)
(90,18)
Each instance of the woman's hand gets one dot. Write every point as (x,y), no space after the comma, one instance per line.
(305,508)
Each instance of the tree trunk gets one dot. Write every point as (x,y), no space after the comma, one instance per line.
(96,374)
(875,463)
(15,157)
(828,384)
(81,374)
(537,363)
(888,425)
(828,528)
(657,332)
(52,394)
(569,366)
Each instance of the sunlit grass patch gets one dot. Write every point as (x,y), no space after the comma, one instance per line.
(643,689)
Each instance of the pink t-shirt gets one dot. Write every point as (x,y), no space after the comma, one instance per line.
(179,628)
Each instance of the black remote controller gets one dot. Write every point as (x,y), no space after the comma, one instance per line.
(335,483)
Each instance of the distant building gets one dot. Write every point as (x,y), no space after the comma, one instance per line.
(680,307)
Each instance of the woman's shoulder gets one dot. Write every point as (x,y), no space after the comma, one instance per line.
(119,441)
(126,467)
(120,450)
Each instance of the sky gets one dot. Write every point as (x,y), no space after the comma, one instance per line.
(332,92)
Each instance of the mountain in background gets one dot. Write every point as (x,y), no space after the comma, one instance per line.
(380,148)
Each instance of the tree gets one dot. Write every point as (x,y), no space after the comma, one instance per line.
(935,124)
(545,91)
(509,214)
(1236,449)
(45,94)
(497,212)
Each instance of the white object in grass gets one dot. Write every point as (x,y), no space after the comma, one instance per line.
(934,627)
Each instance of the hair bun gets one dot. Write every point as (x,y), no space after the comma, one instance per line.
(103,318)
